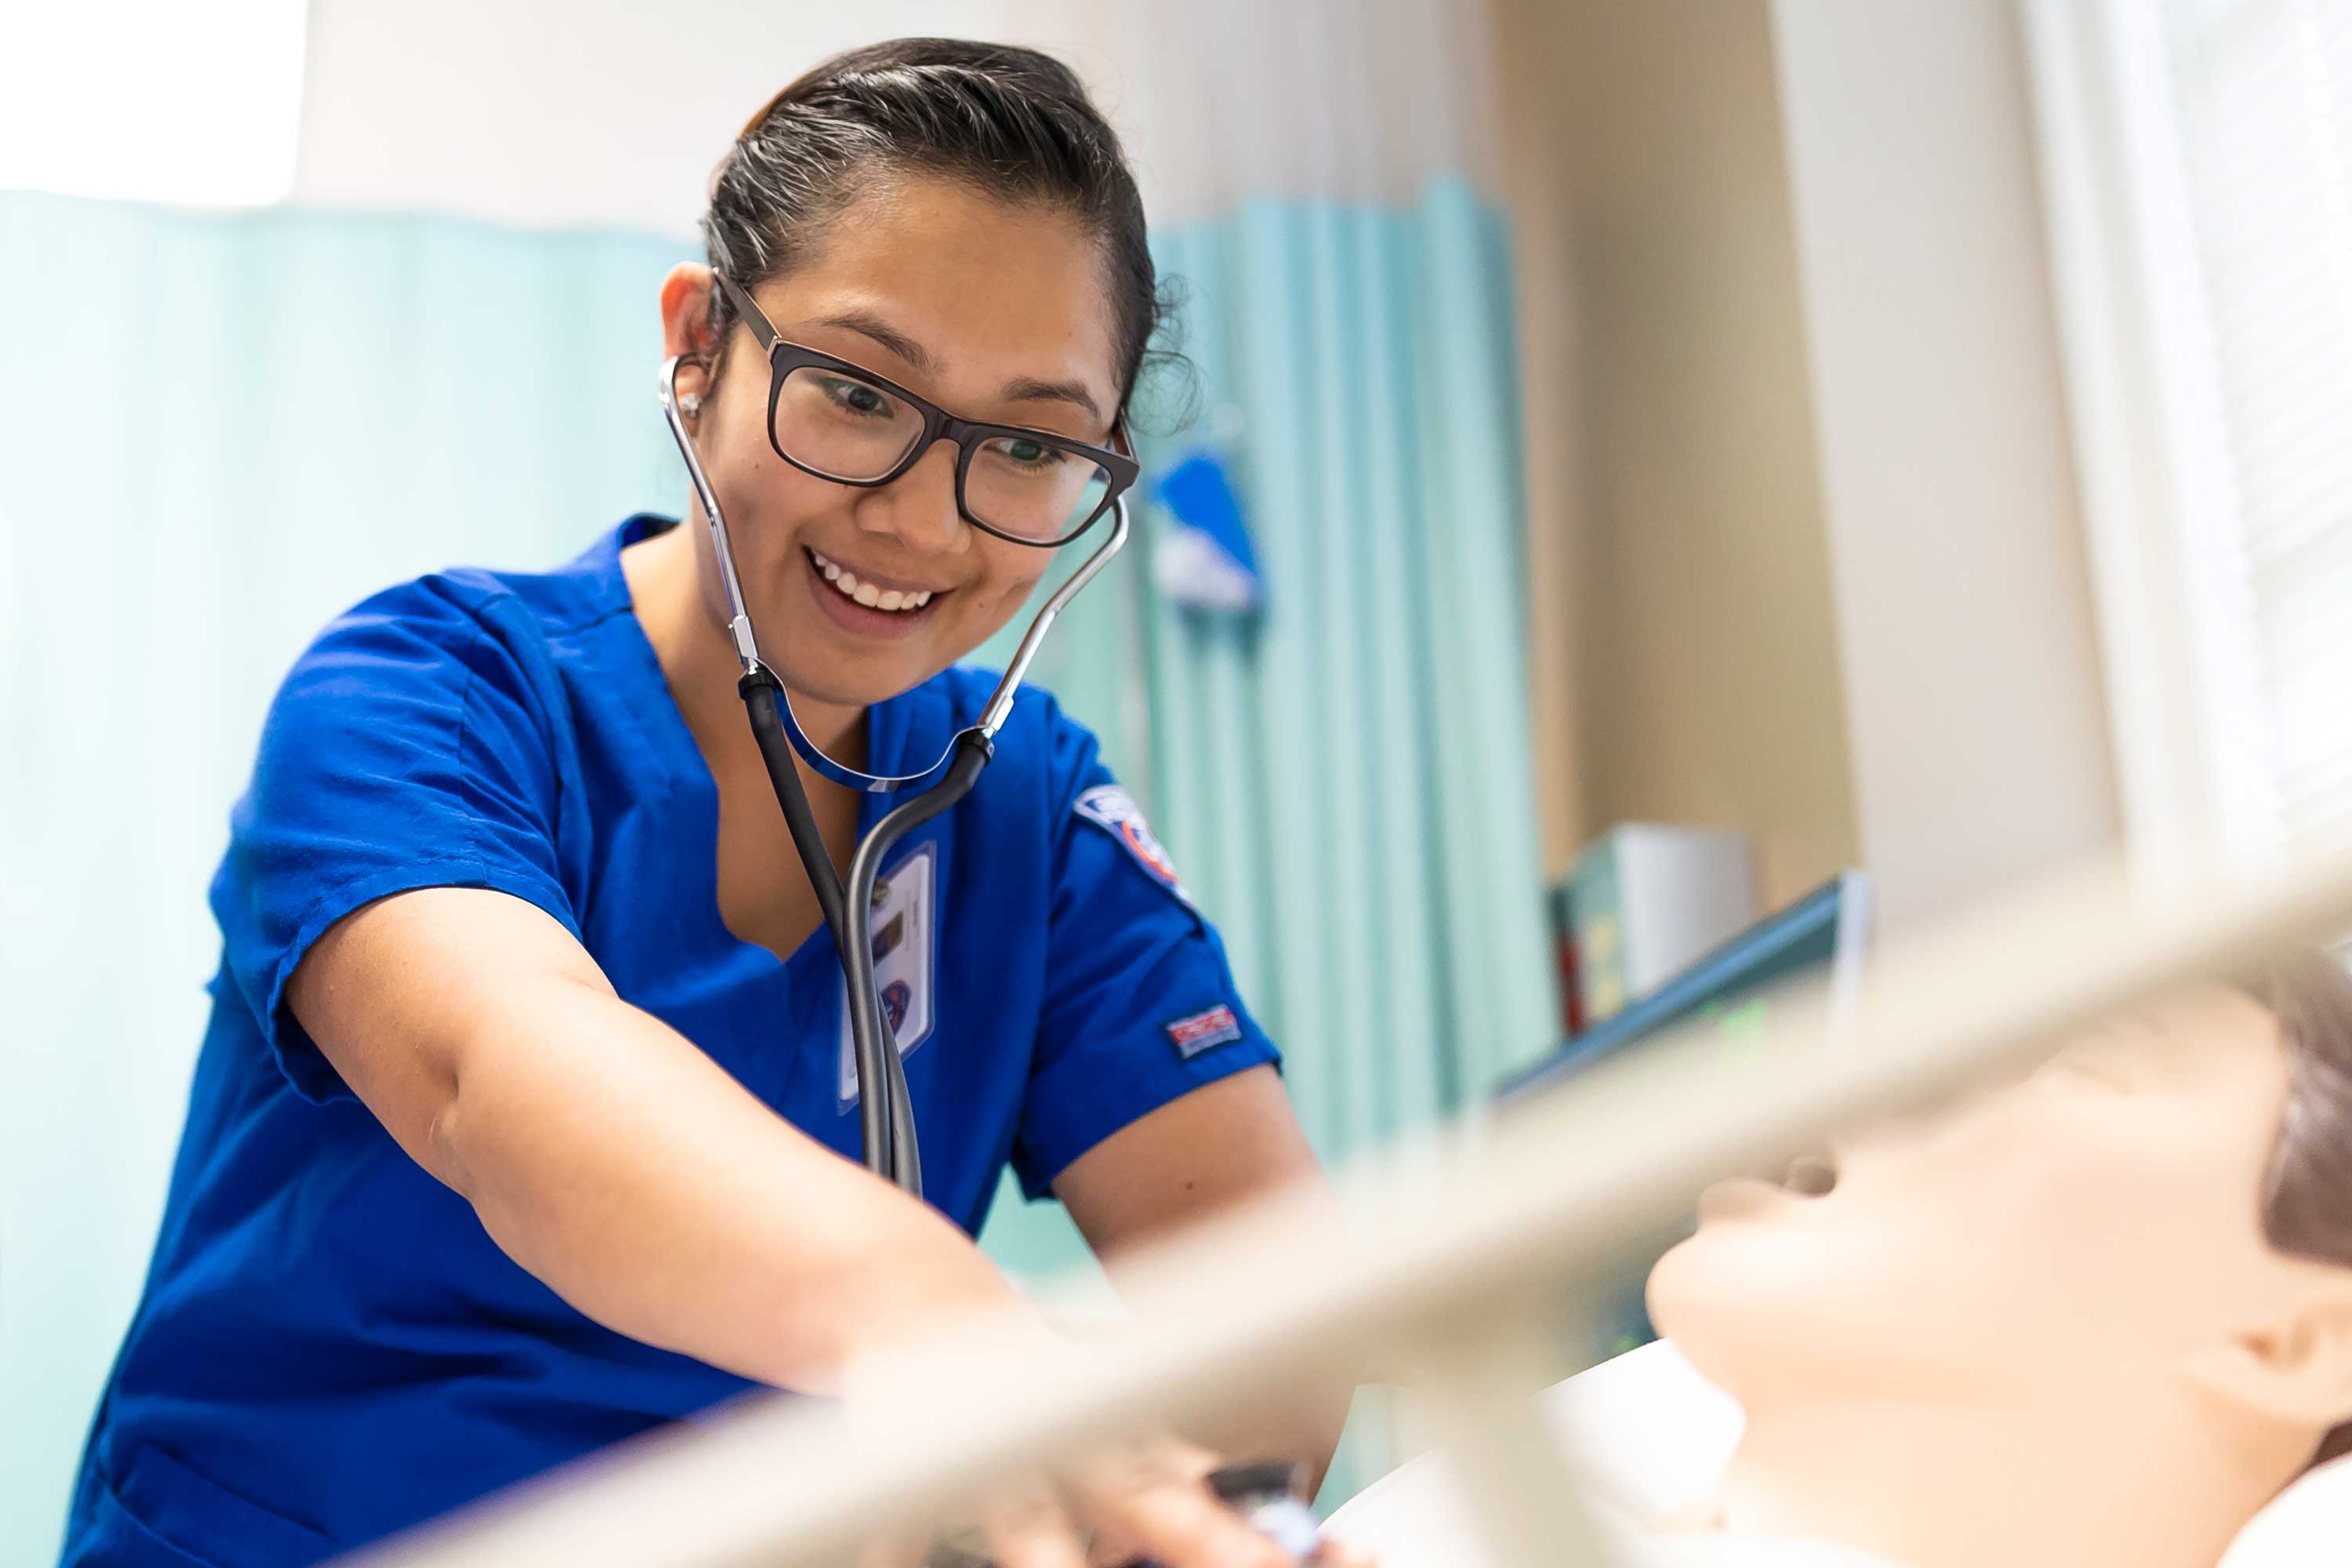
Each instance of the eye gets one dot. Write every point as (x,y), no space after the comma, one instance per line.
(856,397)
(2086,1070)
(1029,454)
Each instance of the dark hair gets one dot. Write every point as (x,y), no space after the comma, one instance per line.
(1012,122)
(2308,1189)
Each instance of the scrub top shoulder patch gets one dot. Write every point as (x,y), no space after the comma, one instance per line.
(1198,1032)
(1112,809)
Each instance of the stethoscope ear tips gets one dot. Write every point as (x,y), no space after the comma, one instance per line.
(688,403)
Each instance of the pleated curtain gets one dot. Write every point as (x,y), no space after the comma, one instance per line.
(1344,780)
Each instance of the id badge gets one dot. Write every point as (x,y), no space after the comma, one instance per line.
(902,932)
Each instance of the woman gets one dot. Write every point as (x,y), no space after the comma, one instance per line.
(519,1126)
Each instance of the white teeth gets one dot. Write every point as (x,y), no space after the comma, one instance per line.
(870,595)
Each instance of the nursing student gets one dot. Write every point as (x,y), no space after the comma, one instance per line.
(524,1121)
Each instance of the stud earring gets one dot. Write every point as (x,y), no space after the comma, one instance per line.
(690,405)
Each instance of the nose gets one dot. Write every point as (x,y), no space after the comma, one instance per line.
(917,508)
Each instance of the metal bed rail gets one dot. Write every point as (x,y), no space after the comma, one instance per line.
(1446,1275)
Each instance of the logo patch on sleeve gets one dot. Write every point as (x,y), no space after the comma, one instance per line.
(1113,810)
(1194,1035)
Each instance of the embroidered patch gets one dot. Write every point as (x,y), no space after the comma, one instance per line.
(1112,809)
(1191,1036)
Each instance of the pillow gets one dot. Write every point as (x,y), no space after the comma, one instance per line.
(2307,1523)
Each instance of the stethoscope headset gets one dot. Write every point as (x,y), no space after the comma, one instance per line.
(886,1117)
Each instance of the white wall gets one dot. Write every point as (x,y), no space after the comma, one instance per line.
(611,112)
(1964,622)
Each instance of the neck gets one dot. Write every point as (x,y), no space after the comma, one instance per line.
(2022,1481)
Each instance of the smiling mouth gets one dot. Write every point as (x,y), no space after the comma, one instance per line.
(870,595)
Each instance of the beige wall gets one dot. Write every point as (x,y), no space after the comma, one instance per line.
(1682,639)
(1982,751)
(1807,547)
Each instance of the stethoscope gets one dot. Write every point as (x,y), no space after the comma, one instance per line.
(1263,1493)
(886,1117)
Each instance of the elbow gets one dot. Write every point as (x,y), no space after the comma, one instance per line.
(444,1149)
(462,1147)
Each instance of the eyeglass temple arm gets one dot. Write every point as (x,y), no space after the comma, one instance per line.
(762,331)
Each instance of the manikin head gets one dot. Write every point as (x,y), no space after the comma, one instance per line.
(2157,1224)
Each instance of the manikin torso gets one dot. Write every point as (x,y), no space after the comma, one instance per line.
(2043,1329)
(1652,1442)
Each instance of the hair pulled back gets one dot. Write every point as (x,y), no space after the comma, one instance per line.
(1010,122)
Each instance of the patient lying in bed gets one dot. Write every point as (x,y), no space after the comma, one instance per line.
(2100,1316)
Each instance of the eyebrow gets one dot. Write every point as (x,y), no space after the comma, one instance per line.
(1021,389)
(868,325)
(1029,389)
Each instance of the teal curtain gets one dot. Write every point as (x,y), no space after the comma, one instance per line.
(216,431)
(1345,784)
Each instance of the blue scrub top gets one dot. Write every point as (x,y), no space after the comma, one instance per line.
(330,1347)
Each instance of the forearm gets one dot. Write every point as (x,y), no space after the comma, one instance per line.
(646,1187)
(1221,1148)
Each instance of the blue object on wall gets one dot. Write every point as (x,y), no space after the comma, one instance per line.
(1202,559)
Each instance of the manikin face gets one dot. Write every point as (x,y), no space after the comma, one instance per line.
(2096,1223)
(994,311)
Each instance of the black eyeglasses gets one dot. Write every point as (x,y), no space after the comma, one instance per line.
(841,422)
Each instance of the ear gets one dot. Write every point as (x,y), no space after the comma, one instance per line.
(2296,1372)
(686,309)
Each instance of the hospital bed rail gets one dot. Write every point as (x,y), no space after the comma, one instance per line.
(1448,1277)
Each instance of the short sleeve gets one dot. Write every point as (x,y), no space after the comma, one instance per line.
(1139,1007)
(408,748)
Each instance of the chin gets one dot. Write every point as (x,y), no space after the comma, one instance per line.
(1751,1306)
(818,666)
(1772,1312)
(1737,1341)
(856,690)
(1679,1287)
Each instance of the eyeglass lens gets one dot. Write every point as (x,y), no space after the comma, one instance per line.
(845,428)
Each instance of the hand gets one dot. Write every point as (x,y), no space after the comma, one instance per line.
(1145,1501)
